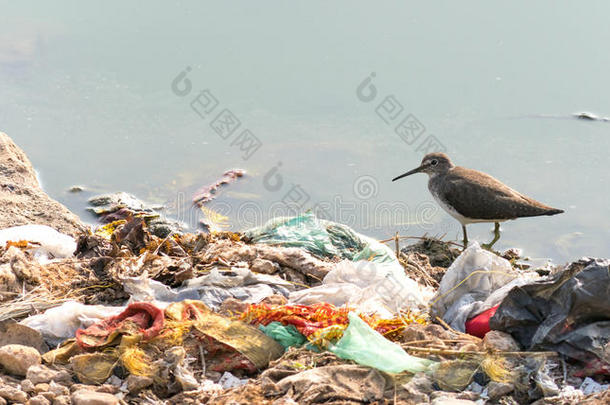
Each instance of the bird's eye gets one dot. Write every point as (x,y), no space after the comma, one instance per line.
(434,162)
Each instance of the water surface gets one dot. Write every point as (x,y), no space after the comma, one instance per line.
(87,92)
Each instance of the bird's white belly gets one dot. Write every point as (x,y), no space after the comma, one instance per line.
(462,219)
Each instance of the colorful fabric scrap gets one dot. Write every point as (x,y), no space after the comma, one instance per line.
(140,319)
(323,321)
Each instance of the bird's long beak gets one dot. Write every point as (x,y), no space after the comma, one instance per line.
(410,172)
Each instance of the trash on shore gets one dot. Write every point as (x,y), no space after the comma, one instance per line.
(300,310)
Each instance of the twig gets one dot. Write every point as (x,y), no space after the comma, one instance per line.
(475,353)
(417,342)
(396,240)
(449,328)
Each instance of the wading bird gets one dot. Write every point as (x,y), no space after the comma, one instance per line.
(471,196)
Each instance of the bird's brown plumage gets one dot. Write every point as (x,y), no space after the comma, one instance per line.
(477,195)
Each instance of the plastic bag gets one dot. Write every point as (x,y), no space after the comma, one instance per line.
(51,244)
(476,281)
(569,313)
(213,289)
(287,336)
(368,347)
(60,323)
(369,287)
(321,238)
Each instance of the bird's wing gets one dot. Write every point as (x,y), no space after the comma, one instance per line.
(480,196)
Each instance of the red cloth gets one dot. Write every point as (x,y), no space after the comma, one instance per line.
(479,325)
(147,318)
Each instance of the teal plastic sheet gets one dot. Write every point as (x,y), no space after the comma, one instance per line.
(287,336)
(368,347)
(325,239)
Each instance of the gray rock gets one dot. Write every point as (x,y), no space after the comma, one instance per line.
(21,198)
(136,383)
(451,401)
(62,400)
(27,386)
(13,394)
(38,400)
(497,390)
(58,390)
(86,397)
(500,341)
(16,359)
(41,374)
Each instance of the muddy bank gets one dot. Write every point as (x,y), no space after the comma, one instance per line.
(21,198)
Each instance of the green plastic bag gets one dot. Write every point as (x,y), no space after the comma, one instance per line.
(287,336)
(368,347)
(321,238)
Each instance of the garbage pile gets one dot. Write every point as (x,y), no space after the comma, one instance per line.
(300,310)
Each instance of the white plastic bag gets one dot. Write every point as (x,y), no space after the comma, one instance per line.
(51,244)
(60,323)
(476,281)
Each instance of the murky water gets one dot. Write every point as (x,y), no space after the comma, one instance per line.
(87,92)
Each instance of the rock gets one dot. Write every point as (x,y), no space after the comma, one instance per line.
(16,359)
(15,333)
(421,382)
(275,299)
(41,387)
(438,331)
(58,390)
(412,333)
(264,266)
(62,400)
(136,383)
(38,400)
(48,395)
(41,374)
(21,198)
(13,394)
(27,386)
(497,390)
(87,397)
(500,341)
(2,401)
(451,401)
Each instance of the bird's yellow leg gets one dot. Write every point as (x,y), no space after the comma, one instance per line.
(496,236)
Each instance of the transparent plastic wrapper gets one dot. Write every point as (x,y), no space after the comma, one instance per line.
(60,323)
(368,287)
(367,347)
(476,281)
(213,289)
(49,243)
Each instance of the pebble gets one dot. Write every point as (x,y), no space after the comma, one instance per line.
(13,394)
(41,374)
(500,341)
(38,400)
(62,400)
(86,397)
(136,383)
(497,390)
(16,359)
(451,401)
